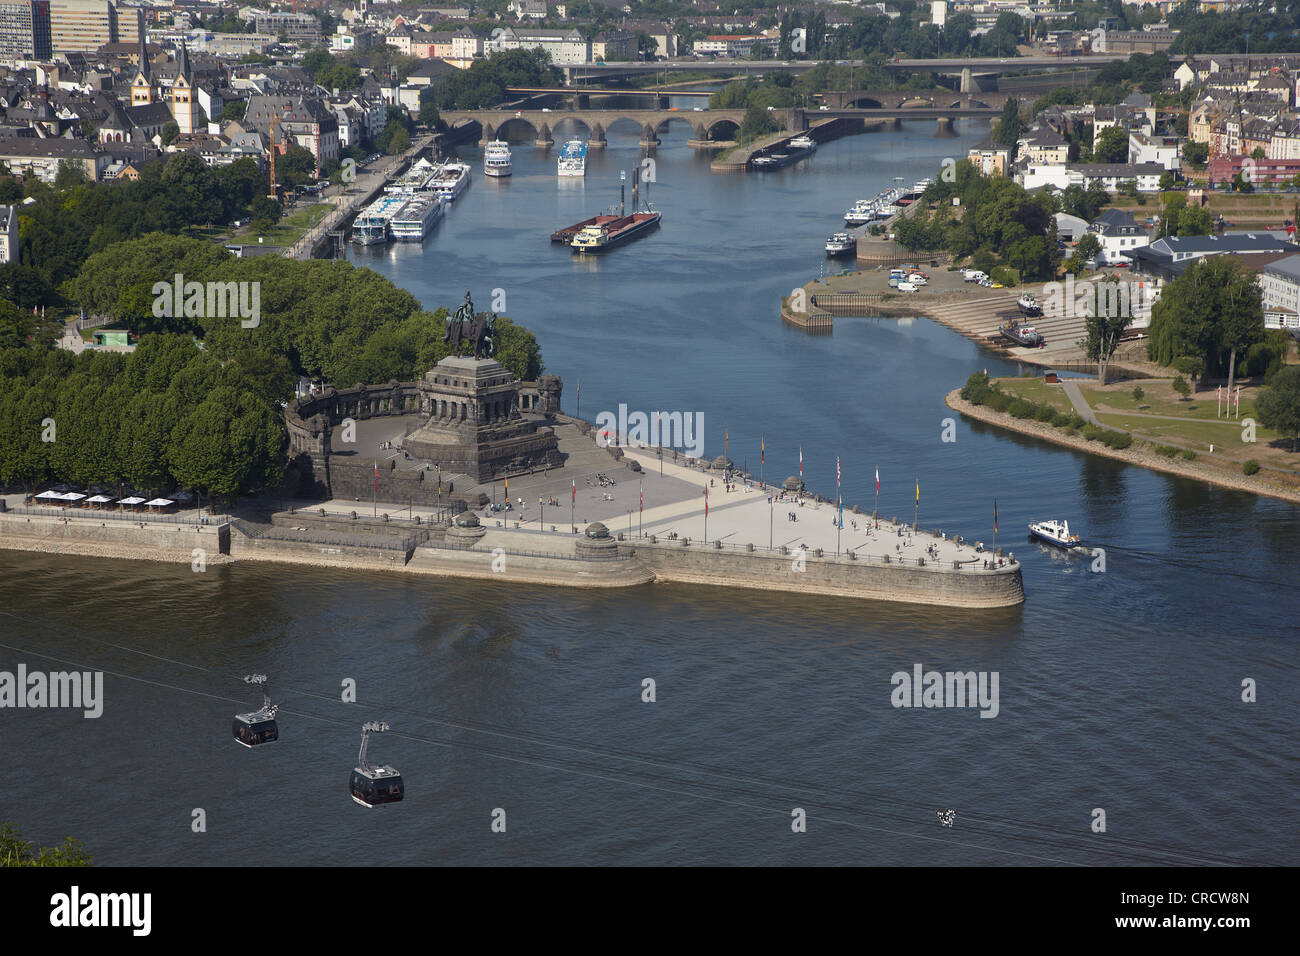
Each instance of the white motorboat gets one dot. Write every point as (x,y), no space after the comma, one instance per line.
(1055,532)
(450,180)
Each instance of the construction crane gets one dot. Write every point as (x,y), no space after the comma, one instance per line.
(275,192)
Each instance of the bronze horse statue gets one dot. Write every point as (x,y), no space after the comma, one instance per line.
(475,328)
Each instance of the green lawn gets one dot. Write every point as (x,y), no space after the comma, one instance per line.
(1201,405)
(1032,388)
(1223,434)
(292,227)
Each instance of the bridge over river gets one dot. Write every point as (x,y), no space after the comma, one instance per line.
(707,126)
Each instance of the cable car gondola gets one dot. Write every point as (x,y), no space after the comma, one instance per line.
(371,785)
(258,726)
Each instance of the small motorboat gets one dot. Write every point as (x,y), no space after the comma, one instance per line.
(1029,305)
(1057,533)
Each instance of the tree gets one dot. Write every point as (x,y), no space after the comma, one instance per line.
(399,141)
(1181,387)
(1111,145)
(1009,126)
(15,851)
(1278,405)
(1108,315)
(296,167)
(1210,313)
(1196,154)
(429,112)
(1194,221)
(1258,153)
(234,110)
(756,123)
(1088,247)
(264,207)
(171,129)
(1166,181)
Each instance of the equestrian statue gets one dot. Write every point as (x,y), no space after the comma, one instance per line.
(478,329)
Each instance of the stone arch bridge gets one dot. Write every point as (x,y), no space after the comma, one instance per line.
(913,99)
(707,125)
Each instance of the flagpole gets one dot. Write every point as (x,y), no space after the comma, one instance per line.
(573,499)
(995,526)
(706,514)
(640,487)
(771,511)
(916,510)
(839,525)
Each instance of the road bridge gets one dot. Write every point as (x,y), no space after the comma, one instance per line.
(707,126)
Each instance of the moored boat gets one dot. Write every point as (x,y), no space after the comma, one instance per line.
(413,221)
(1025,335)
(841,244)
(450,179)
(1029,305)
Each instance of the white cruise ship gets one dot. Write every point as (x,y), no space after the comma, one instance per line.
(450,180)
(372,223)
(415,179)
(573,159)
(415,219)
(496,159)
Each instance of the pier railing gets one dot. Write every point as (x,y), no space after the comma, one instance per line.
(74,513)
(380,542)
(974,563)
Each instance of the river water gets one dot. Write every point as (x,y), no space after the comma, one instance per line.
(1118,691)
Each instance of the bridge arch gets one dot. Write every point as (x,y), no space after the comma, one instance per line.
(865,103)
(722,127)
(566,123)
(516,128)
(662,126)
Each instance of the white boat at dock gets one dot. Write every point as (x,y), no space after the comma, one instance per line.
(415,219)
(450,179)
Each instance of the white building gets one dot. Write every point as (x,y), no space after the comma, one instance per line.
(1162,150)
(564,47)
(1118,234)
(9,234)
(1280,284)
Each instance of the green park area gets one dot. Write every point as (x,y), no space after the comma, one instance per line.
(292,227)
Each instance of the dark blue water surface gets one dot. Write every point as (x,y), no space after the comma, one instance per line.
(1118,690)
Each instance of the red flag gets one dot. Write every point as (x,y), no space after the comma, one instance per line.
(764,457)
(641,489)
(877,479)
(575,491)
(801,461)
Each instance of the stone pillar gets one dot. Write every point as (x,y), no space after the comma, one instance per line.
(966,80)
(597,138)
(489,134)
(946,124)
(544,137)
(649,138)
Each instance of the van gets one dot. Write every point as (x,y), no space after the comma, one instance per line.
(907,287)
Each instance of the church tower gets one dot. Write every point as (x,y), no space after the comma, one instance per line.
(142,85)
(184,107)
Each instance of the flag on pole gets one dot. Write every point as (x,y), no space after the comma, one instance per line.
(507,489)
(763,451)
(995,515)
(837,471)
(801,461)
(439,467)
(706,501)
(575,491)
(641,491)
(726,442)
(376,477)
(877,481)
(918,491)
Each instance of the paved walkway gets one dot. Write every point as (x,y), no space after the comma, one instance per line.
(1081,406)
